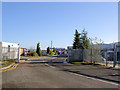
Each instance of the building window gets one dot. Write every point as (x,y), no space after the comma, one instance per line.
(8,48)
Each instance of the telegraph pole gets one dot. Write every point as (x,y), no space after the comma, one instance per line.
(18,53)
(115,55)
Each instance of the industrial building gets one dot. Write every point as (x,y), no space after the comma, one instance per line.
(8,51)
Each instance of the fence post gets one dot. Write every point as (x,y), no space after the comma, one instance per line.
(83,54)
(18,54)
(106,57)
(68,56)
(115,50)
(91,55)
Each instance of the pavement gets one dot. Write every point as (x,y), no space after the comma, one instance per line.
(111,63)
(94,71)
(51,72)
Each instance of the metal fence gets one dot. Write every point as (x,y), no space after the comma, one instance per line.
(93,55)
(9,53)
(84,55)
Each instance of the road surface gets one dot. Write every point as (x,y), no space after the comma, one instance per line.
(39,73)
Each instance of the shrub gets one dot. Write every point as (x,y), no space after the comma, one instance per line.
(48,50)
(32,54)
(23,54)
(38,51)
(28,54)
(57,52)
(51,53)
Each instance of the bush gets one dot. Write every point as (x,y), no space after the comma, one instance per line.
(38,51)
(32,54)
(51,53)
(28,54)
(23,54)
(57,53)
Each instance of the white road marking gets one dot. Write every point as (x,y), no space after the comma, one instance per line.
(87,76)
(94,79)
(49,65)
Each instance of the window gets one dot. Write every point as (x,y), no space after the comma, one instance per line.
(8,48)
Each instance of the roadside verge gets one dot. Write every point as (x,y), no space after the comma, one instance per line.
(97,71)
(11,66)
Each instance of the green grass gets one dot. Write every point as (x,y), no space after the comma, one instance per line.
(31,56)
(7,62)
(86,63)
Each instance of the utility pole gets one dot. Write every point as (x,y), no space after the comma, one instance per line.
(18,53)
(115,55)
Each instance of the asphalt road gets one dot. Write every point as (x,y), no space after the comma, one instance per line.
(39,73)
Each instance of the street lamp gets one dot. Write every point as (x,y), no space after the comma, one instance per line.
(18,53)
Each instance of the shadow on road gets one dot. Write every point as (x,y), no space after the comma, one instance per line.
(88,75)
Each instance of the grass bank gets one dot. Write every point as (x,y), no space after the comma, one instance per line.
(87,63)
(5,63)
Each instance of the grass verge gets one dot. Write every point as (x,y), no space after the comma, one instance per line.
(5,63)
(87,63)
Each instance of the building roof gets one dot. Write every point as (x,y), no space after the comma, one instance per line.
(5,44)
(23,48)
(110,46)
(59,48)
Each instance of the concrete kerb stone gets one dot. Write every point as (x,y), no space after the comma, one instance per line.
(11,65)
(7,66)
(117,66)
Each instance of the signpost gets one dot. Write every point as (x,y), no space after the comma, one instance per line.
(18,54)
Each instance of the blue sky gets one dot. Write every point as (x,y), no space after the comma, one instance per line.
(29,23)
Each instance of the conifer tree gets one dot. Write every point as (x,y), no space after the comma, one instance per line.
(76,43)
(84,40)
(38,51)
(48,50)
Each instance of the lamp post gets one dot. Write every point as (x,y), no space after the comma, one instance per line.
(18,53)
(115,55)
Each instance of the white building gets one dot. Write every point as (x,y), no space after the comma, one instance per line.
(8,50)
(108,49)
(60,50)
(69,47)
(111,46)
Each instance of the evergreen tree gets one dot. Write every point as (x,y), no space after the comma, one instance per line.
(38,51)
(84,41)
(76,43)
(48,50)
(81,40)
